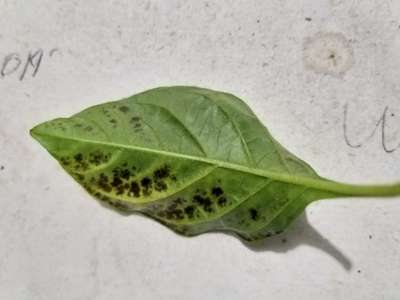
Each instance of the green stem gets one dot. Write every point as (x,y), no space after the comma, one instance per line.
(389,190)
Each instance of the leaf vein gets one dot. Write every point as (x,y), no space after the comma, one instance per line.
(185,128)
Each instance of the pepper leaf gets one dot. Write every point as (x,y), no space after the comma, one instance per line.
(194,159)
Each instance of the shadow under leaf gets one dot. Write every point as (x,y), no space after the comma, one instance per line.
(300,233)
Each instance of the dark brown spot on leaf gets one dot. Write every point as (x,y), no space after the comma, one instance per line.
(253,214)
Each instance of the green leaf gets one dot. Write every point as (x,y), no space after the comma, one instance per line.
(193,159)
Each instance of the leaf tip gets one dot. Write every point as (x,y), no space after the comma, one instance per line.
(37,131)
(42,134)
(33,132)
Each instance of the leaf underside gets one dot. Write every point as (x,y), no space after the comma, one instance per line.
(194,159)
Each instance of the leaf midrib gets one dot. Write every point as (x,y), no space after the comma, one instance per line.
(315,183)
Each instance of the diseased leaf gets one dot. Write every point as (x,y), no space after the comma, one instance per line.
(194,159)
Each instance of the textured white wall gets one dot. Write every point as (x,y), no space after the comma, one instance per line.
(298,64)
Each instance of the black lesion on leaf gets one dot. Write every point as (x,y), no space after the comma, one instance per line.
(254,214)
(114,203)
(124,173)
(204,202)
(80,177)
(116,181)
(175,214)
(80,162)
(174,210)
(98,157)
(119,185)
(88,128)
(118,205)
(88,188)
(137,125)
(134,189)
(160,186)
(124,109)
(217,191)
(201,192)
(114,123)
(103,183)
(162,172)
(189,211)
(161,214)
(147,185)
(179,201)
(120,180)
(103,197)
(126,187)
(135,119)
(78,157)
(65,160)
(60,126)
(160,177)
(222,201)
(106,112)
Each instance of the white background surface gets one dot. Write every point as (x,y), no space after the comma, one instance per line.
(58,243)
